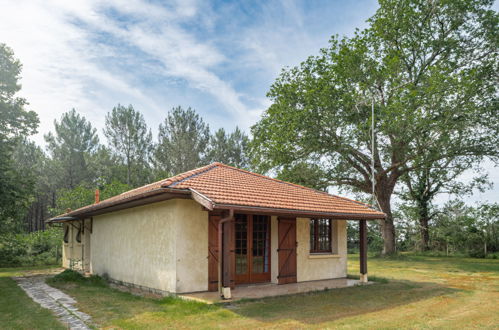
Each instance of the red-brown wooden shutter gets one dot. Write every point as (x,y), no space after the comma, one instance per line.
(228,253)
(287,250)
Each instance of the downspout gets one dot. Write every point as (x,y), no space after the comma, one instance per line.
(224,290)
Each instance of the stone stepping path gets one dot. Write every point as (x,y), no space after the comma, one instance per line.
(57,301)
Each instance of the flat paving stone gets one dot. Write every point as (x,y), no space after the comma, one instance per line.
(256,291)
(55,300)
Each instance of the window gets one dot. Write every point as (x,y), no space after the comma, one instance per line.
(320,236)
(66,233)
(78,234)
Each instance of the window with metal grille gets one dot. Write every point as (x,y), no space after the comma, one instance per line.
(320,236)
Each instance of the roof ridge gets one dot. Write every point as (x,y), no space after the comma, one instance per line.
(132,190)
(296,185)
(187,175)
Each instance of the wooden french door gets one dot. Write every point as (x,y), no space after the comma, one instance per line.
(252,248)
(287,250)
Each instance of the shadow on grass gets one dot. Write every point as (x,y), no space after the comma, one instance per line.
(333,304)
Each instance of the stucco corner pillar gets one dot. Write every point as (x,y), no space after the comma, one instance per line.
(363,250)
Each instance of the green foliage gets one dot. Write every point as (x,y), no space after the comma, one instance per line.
(182,141)
(308,175)
(84,194)
(15,124)
(74,140)
(131,141)
(107,166)
(36,248)
(430,68)
(456,229)
(15,120)
(374,238)
(230,149)
(68,276)
(16,191)
(73,199)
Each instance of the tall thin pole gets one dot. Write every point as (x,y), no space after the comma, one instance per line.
(372,152)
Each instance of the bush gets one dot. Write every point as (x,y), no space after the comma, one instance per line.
(69,275)
(477,253)
(31,249)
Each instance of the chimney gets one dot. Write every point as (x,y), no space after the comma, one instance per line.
(97,194)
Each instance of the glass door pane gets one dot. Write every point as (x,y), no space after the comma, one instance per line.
(241,244)
(260,244)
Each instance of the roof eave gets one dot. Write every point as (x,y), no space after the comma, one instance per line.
(104,207)
(303,213)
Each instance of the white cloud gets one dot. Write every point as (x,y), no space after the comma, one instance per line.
(60,68)
(55,41)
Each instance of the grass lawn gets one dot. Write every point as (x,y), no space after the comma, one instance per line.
(17,310)
(421,292)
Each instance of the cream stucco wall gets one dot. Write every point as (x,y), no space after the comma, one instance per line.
(321,266)
(191,247)
(161,246)
(164,246)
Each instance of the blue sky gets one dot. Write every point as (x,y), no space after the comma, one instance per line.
(219,57)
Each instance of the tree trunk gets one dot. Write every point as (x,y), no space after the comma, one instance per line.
(128,172)
(425,234)
(424,219)
(387,227)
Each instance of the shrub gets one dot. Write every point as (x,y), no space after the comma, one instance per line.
(477,253)
(70,275)
(31,249)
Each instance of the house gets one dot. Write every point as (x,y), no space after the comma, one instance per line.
(212,229)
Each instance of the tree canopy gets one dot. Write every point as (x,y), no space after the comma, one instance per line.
(131,140)
(182,141)
(431,70)
(15,120)
(15,124)
(69,147)
(230,149)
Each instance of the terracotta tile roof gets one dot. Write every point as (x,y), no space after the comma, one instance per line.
(223,186)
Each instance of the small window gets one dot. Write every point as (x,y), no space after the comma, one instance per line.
(320,236)
(78,234)
(66,233)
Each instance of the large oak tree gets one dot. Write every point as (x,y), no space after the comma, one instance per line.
(429,67)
